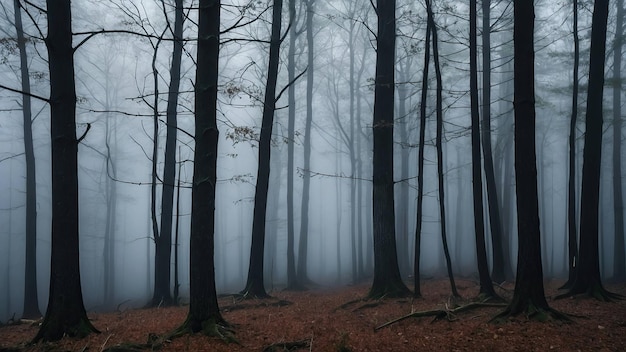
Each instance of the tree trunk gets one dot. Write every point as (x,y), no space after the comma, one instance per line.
(31,301)
(254,285)
(619,260)
(438,145)
(387,281)
(65,314)
(204,314)
(486,287)
(303,277)
(588,269)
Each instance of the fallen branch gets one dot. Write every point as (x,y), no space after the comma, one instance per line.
(441,313)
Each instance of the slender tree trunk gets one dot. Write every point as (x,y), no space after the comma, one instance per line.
(387,280)
(420,160)
(254,285)
(438,144)
(486,287)
(31,301)
(619,260)
(306,172)
(572,236)
(65,314)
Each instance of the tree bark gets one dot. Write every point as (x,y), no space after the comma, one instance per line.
(387,281)
(65,314)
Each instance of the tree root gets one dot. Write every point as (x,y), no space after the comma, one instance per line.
(288,346)
(449,314)
(596,291)
(533,312)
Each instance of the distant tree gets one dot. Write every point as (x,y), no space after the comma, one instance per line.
(254,284)
(588,280)
(302,273)
(387,280)
(420,158)
(31,301)
(528,296)
(204,314)
(572,236)
(65,314)
(619,260)
(486,286)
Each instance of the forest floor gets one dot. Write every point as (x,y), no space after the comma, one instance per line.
(338,320)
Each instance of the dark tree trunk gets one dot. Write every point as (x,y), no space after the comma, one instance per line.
(528,297)
(303,277)
(486,287)
(438,145)
(162,294)
(204,314)
(572,236)
(588,279)
(387,281)
(65,314)
(254,285)
(619,260)
(31,301)
(495,222)
(420,160)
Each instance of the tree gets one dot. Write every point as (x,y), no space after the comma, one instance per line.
(387,280)
(66,313)
(164,238)
(528,296)
(303,277)
(254,284)
(588,279)
(420,158)
(619,260)
(572,236)
(500,261)
(204,314)
(486,287)
(438,146)
(31,301)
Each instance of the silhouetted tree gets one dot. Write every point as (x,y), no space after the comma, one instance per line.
(254,285)
(588,278)
(387,281)
(65,314)
(204,314)
(31,302)
(529,296)
(486,287)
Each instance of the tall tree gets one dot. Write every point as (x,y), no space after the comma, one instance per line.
(254,284)
(420,158)
(486,286)
(500,263)
(588,278)
(572,236)
(387,280)
(619,260)
(31,301)
(204,314)
(65,314)
(528,296)
(439,147)
(303,277)
(164,239)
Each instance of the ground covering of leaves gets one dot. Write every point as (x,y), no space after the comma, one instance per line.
(336,320)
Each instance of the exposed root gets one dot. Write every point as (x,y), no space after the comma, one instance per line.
(447,313)
(532,312)
(596,291)
(288,346)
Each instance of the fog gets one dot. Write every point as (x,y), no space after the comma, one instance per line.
(116,91)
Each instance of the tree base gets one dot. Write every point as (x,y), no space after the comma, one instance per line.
(531,312)
(53,330)
(595,290)
(389,290)
(213,327)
